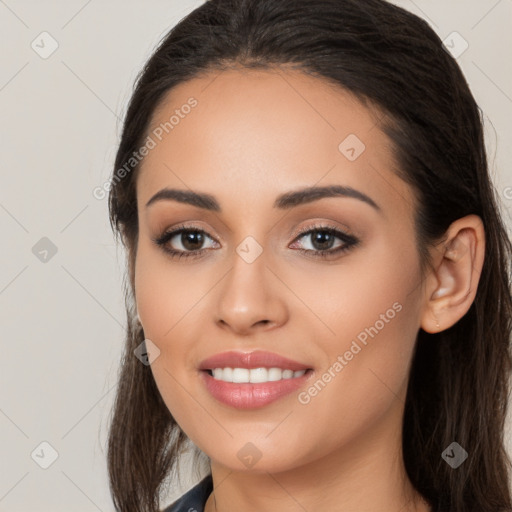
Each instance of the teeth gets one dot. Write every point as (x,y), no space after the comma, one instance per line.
(255,375)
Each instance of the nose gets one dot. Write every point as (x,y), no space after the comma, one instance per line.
(250,298)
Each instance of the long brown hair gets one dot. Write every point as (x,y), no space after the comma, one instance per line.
(386,56)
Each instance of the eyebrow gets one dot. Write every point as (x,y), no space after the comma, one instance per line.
(284,201)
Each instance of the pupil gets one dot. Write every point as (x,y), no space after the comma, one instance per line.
(188,240)
(324,239)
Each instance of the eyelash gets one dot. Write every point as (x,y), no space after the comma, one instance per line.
(350,241)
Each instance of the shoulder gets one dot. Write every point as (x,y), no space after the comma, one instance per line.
(194,499)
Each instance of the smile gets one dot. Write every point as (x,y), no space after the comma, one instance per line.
(254,375)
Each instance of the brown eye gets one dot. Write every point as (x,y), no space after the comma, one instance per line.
(322,241)
(183,241)
(192,240)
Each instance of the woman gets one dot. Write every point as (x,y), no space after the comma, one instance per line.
(319,278)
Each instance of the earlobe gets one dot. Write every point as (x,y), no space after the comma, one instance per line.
(457,273)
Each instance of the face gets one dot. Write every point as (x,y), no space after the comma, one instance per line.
(330,281)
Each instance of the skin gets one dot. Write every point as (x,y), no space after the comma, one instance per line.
(252,136)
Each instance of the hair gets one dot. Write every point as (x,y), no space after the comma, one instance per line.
(390,59)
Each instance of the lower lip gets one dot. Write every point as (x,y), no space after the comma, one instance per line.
(248,395)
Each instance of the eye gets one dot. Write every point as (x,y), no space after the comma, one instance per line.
(191,240)
(323,240)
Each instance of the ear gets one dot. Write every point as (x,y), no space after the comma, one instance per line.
(451,288)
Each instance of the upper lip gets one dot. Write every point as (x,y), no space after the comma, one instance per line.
(254,359)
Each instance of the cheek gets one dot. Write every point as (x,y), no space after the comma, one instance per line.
(165,302)
(372,311)
(350,297)
(383,309)
(364,378)
(164,292)
(170,300)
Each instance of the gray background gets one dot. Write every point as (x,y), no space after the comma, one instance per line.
(62,318)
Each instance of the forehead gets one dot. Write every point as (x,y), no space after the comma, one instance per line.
(266,131)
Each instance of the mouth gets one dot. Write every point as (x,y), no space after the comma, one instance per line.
(253,388)
(249,380)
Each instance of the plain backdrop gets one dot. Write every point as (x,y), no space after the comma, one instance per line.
(61,303)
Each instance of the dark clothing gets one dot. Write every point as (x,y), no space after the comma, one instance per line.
(193,500)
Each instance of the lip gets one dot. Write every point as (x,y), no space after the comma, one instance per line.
(248,395)
(251,395)
(251,360)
